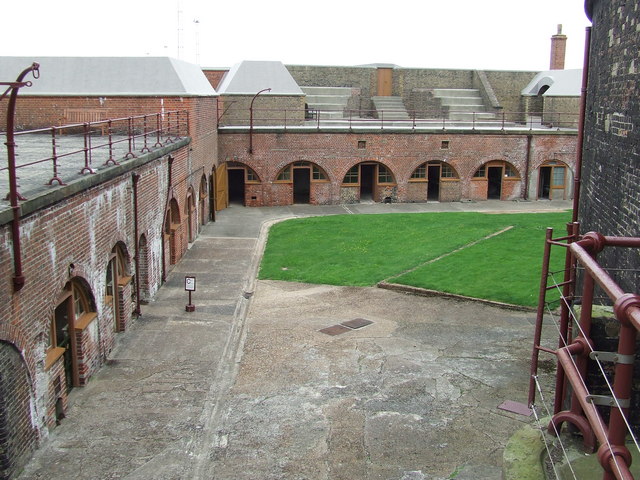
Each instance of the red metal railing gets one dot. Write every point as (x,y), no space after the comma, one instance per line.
(573,352)
(106,142)
(413,119)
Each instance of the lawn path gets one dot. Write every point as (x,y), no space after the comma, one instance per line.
(475,242)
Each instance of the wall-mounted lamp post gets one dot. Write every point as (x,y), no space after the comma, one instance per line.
(251,118)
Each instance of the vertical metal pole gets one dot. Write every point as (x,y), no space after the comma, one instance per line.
(540,316)
(583,105)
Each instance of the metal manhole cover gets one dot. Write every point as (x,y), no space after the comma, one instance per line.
(357,323)
(335,330)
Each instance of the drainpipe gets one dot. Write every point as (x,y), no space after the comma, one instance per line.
(164,218)
(583,107)
(136,178)
(251,118)
(18,277)
(527,166)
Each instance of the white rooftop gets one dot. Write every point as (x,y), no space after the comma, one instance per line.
(249,77)
(108,76)
(561,83)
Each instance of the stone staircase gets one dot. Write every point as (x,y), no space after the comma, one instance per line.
(329,101)
(390,108)
(464,105)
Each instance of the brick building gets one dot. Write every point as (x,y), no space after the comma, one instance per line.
(95,247)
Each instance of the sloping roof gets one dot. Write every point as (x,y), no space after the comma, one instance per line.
(561,83)
(109,76)
(249,77)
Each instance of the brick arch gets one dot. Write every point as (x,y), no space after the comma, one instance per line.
(495,179)
(366,180)
(202,200)
(18,436)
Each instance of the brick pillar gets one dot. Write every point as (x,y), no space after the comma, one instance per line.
(558,50)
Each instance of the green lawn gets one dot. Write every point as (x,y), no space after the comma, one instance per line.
(366,249)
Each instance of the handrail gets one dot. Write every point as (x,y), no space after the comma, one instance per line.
(573,353)
(288,117)
(148,131)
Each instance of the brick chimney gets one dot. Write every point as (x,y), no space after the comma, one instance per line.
(558,50)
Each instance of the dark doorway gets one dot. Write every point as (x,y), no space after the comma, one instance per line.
(544,186)
(367,177)
(433,187)
(62,339)
(236,185)
(494,176)
(301,185)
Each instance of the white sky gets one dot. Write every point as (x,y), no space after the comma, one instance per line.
(466,34)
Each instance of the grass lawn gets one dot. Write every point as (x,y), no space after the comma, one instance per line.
(363,250)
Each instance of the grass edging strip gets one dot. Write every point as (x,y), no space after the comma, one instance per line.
(425,292)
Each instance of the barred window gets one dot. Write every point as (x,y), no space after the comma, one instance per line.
(318,174)
(384,175)
(352,176)
(420,172)
(509,171)
(446,171)
(284,175)
(480,173)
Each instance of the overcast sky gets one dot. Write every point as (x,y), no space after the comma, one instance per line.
(467,34)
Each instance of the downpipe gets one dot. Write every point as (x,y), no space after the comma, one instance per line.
(18,276)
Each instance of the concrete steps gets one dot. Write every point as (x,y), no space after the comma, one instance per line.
(390,108)
(463,104)
(329,101)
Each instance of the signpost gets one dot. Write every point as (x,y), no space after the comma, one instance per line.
(190,286)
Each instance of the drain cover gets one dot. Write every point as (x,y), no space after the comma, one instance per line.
(335,330)
(357,323)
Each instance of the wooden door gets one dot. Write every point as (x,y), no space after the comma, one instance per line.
(385,82)
(222,194)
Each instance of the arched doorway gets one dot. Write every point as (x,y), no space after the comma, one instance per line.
(372,181)
(189,207)
(171,228)
(435,174)
(553,180)
(202,200)
(69,341)
(490,180)
(118,288)
(143,268)
(19,436)
(241,178)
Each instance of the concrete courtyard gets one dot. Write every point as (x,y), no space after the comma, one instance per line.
(252,386)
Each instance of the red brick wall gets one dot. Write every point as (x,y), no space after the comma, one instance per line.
(401,153)
(215,76)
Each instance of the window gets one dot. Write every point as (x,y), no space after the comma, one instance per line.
(352,176)
(251,175)
(317,173)
(558,177)
(480,173)
(284,175)
(384,175)
(446,171)
(444,145)
(420,172)
(362,144)
(509,171)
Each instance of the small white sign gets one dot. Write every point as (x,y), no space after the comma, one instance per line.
(190,284)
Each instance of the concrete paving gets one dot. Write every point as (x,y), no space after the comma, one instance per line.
(248,386)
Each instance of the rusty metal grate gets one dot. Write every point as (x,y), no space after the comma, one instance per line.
(346,326)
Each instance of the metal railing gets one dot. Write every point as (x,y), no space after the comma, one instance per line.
(412,119)
(78,149)
(577,355)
